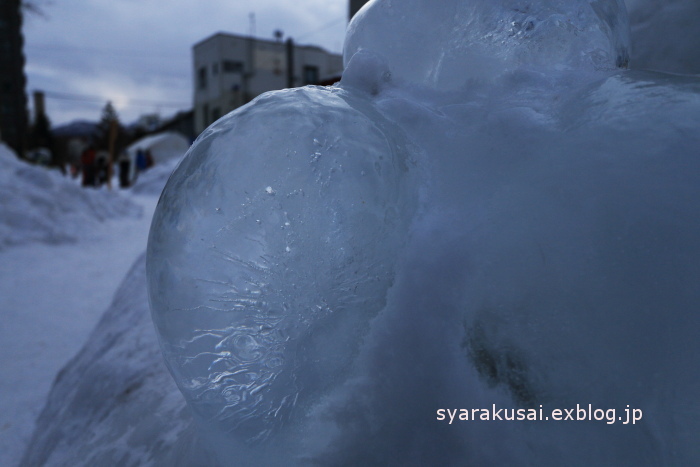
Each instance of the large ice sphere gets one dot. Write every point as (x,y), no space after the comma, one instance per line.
(271,248)
(462,40)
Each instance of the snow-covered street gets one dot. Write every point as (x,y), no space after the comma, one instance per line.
(51,297)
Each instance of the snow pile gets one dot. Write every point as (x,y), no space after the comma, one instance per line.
(39,205)
(51,297)
(163,146)
(152,181)
(490,213)
(166,149)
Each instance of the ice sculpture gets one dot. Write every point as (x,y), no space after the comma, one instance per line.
(273,246)
(486,210)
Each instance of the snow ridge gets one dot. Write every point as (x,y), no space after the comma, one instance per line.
(40,205)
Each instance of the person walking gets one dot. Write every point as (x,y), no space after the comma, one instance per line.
(87,160)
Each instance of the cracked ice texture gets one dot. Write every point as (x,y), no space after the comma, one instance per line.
(272,248)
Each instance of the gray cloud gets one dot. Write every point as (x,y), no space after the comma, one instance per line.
(128,50)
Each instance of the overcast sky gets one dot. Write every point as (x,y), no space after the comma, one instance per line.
(138,53)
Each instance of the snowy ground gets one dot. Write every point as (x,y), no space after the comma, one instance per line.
(51,297)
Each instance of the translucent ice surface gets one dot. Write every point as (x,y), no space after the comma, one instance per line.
(448,45)
(273,246)
(665,35)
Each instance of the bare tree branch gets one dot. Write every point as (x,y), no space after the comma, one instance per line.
(36,7)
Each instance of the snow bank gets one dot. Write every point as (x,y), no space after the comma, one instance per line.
(163,146)
(166,149)
(152,181)
(40,205)
(51,298)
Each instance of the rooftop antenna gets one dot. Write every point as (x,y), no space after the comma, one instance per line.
(251,18)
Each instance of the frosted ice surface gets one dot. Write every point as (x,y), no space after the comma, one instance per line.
(665,35)
(462,40)
(273,246)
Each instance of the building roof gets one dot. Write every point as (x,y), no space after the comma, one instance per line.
(258,39)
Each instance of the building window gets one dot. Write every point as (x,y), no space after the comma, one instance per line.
(310,74)
(215,69)
(202,78)
(215,114)
(205,115)
(230,66)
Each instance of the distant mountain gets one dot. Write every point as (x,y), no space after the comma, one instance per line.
(78,128)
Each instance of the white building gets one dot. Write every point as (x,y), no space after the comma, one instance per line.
(231,70)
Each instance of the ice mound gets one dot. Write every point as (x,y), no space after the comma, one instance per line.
(39,205)
(114,403)
(447,46)
(330,267)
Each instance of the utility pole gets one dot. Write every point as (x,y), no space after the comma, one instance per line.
(112,141)
(39,105)
(290,62)
(251,25)
(249,67)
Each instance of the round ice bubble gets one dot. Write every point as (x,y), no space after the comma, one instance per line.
(271,248)
(465,40)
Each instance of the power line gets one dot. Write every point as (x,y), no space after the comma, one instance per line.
(124,52)
(102,100)
(322,28)
(152,53)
